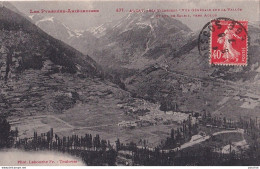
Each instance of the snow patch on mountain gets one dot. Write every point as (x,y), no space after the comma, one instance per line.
(70,32)
(31,16)
(45,19)
(98,31)
(78,32)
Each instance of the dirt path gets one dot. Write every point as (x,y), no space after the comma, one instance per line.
(197,141)
(62,121)
(89,127)
(18,120)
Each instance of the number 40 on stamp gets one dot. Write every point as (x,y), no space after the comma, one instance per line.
(228,44)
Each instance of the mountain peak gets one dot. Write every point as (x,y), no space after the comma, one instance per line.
(151,19)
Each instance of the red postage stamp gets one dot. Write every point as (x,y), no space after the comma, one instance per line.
(228,42)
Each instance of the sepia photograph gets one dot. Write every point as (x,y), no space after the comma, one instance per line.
(130,83)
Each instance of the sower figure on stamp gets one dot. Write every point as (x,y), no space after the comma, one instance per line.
(227,39)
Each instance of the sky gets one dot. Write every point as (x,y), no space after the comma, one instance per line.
(82,21)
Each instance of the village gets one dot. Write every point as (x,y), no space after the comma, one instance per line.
(148,114)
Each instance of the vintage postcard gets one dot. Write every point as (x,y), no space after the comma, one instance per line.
(130,83)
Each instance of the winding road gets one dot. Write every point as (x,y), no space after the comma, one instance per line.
(196,141)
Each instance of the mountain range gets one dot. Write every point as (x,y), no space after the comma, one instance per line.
(156,58)
(43,75)
(132,42)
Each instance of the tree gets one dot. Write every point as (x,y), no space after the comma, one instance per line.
(209,116)
(111,157)
(109,145)
(178,136)
(132,147)
(118,145)
(103,145)
(172,134)
(224,120)
(167,105)
(4,133)
(96,141)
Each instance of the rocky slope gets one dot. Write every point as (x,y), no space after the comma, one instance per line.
(189,81)
(138,40)
(42,75)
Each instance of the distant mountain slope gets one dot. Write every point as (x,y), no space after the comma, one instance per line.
(188,80)
(138,40)
(132,42)
(191,63)
(11,7)
(82,40)
(42,75)
(19,34)
(53,27)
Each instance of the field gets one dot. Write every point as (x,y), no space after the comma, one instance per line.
(101,107)
(103,120)
(102,113)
